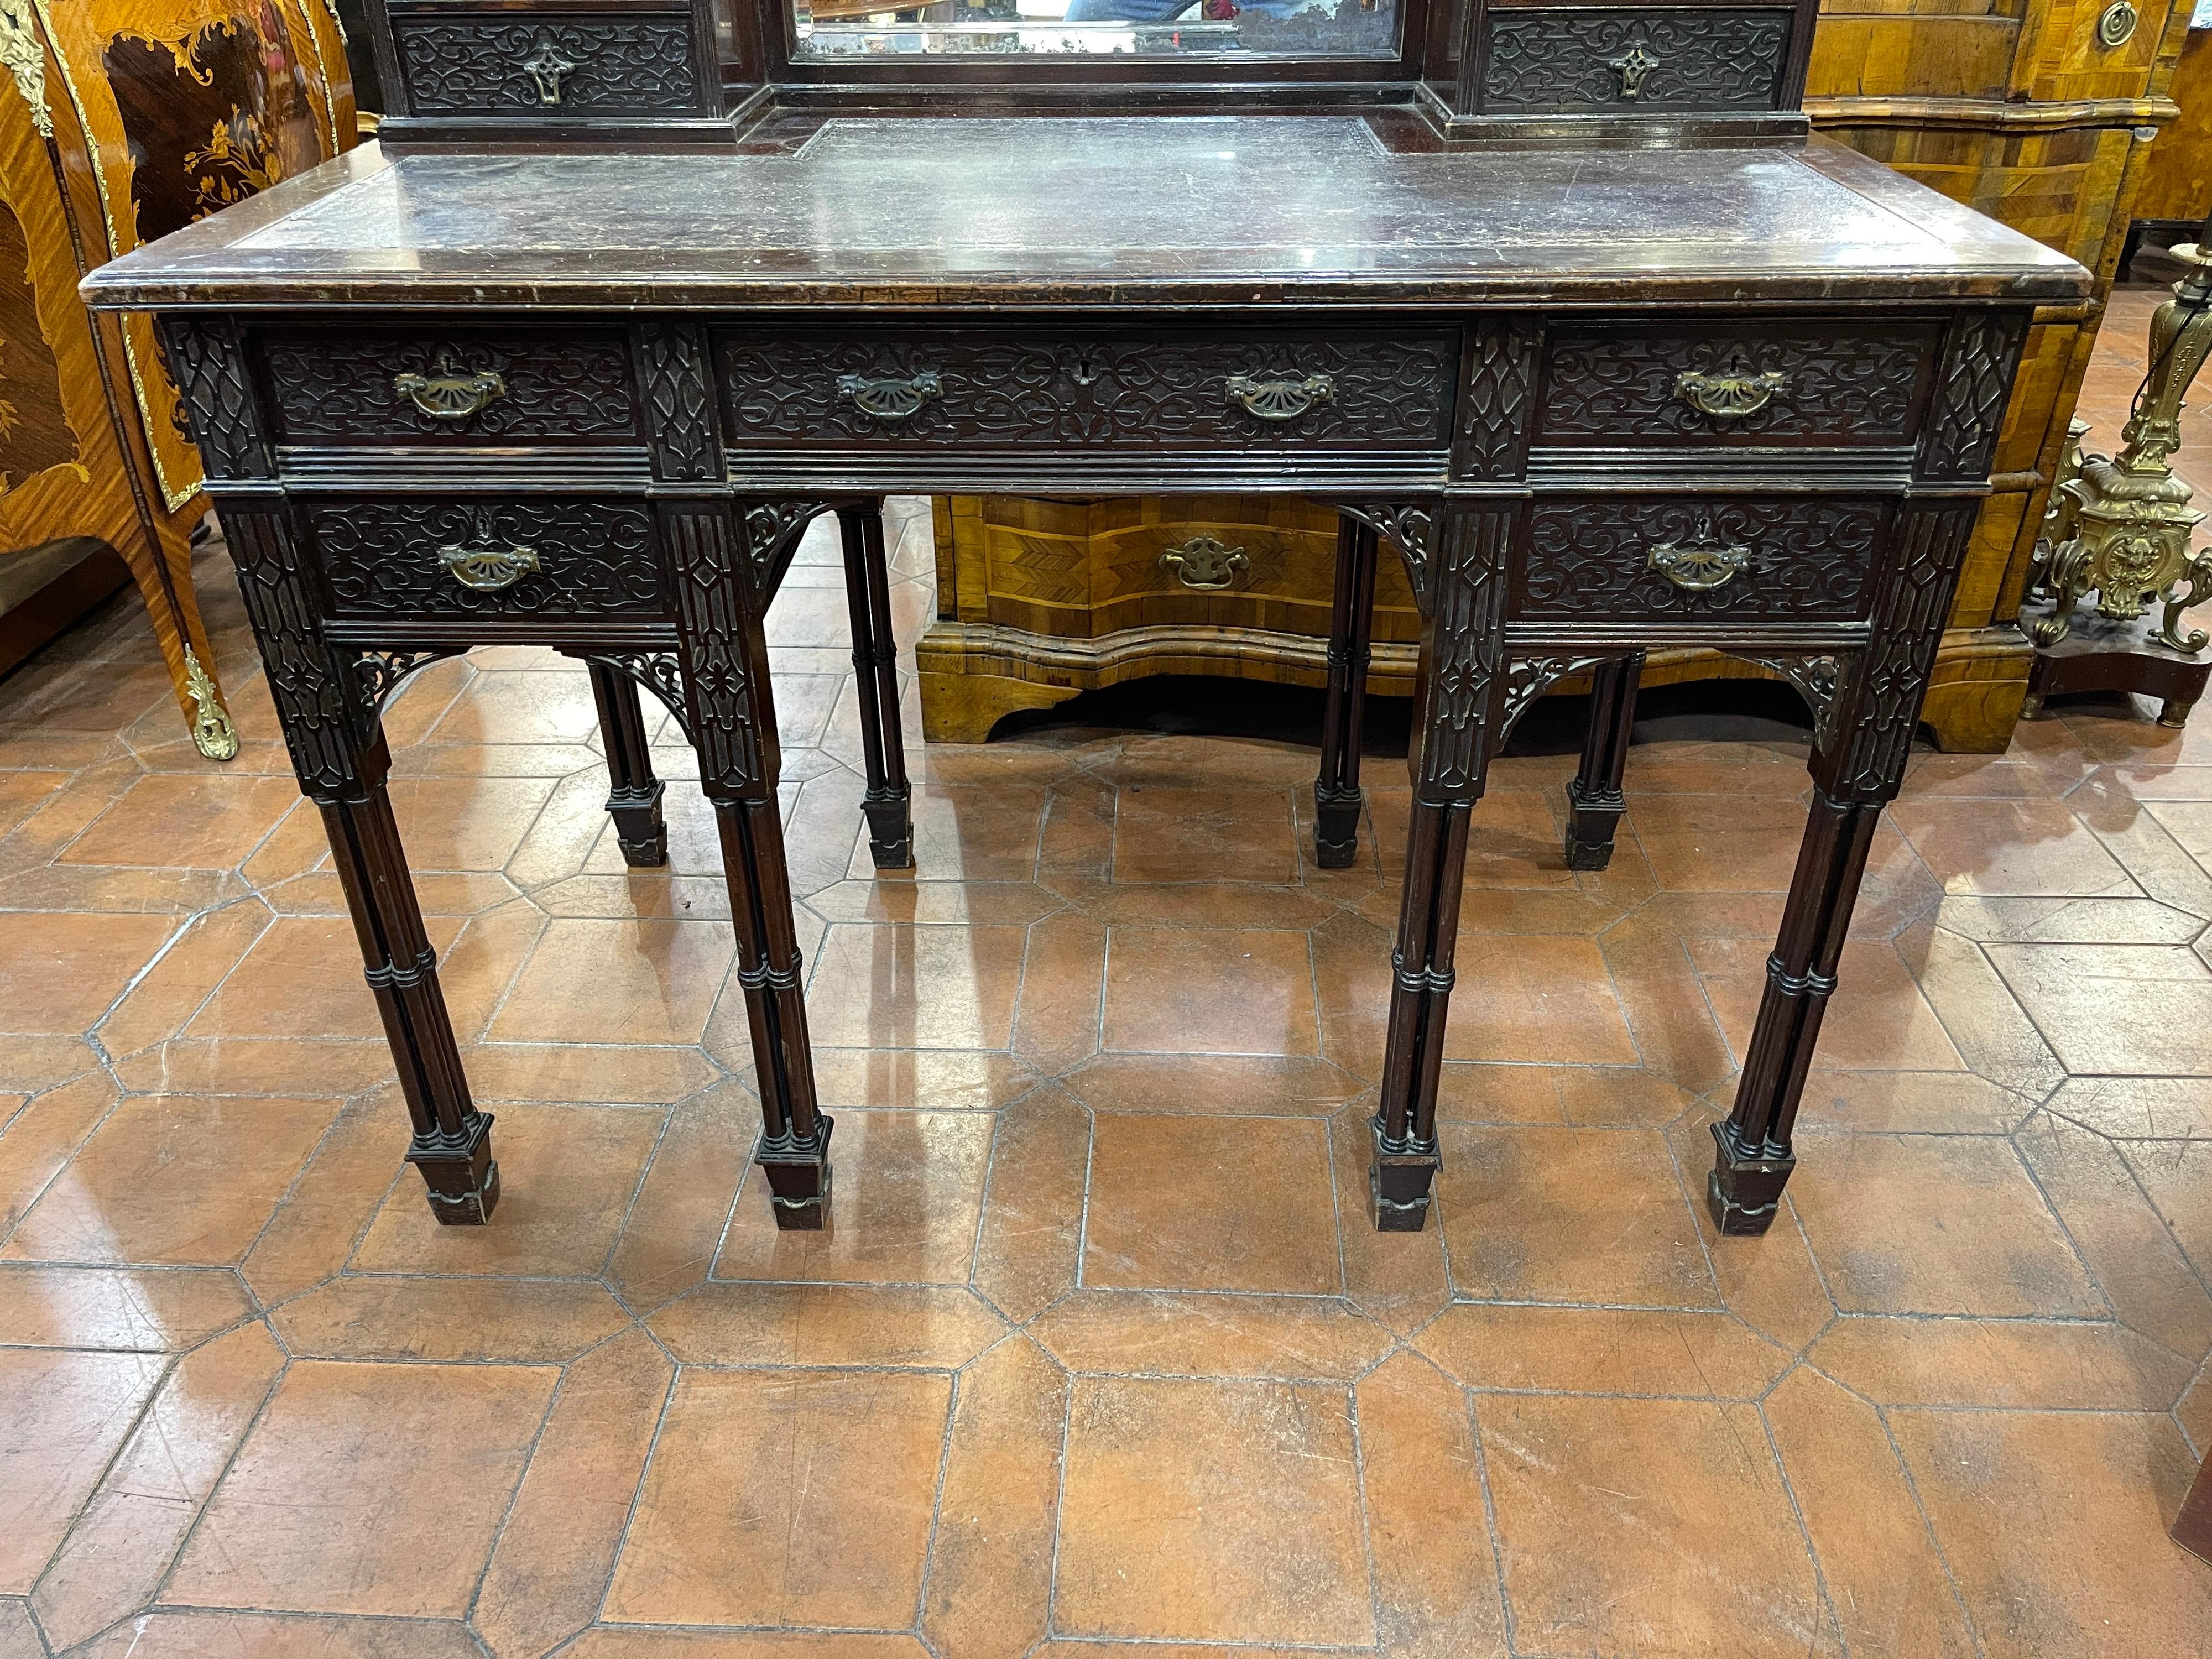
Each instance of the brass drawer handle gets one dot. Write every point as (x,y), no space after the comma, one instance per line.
(1703,561)
(481,563)
(1631,66)
(1731,395)
(892,400)
(1284,398)
(546,68)
(1204,563)
(446,393)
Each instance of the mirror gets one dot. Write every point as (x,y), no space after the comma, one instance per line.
(1146,28)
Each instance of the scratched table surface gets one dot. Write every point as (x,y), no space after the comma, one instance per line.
(1221,210)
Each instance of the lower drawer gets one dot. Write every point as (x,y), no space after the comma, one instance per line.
(1631,558)
(412,558)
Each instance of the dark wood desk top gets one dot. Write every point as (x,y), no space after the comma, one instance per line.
(1040,212)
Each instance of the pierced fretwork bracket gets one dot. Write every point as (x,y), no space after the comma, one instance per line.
(1817,679)
(1407,526)
(772,533)
(381,671)
(657,672)
(1528,678)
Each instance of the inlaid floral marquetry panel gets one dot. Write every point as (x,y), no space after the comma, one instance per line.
(188,106)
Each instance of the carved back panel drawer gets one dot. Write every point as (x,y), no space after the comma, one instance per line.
(1737,558)
(1629,59)
(1825,382)
(507,558)
(438,386)
(1001,390)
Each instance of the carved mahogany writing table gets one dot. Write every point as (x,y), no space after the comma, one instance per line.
(1595,399)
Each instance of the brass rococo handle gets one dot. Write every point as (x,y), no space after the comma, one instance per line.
(1703,561)
(481,563)
(1728,397)
(1204,563)
(546,68)
(446,393)
(891,399)
(1281,399)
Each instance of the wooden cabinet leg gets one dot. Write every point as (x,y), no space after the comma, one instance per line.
(329,719)
(451,1143)
(633,793)
(875,663)
(1463,678)
(717,559)
(1337,797)
(794,1147)
(1752,1159)
(1854,773)
(1595,803)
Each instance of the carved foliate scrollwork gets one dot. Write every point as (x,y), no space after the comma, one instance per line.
(591,558)
(1811,559)
(325,710)
(658,672)
(1529,677)
(1972,389)
(1881,693)
(615,65)
(333,387)
(206,356)
(771,529)
(1837,383)
(1050,392)
(1818,679)
(382,671)
(679,404)
(729,713)
(1494,400)
(1581,58)
(1466,655)
(1407,526)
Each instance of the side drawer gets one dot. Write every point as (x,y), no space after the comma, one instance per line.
(1586,60)
(1834,384)
(446,386)
(405,557)
(1749,558)
(492,62)
(1029,391)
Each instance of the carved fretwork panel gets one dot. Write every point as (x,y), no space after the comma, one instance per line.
(548,386)
(1493,406)
(723,657)
(561,558)
(1818,679)
(1463,646)
(1633,58)
(1406,525)
(207,354)
(658,672)
(987,391)
(679,404)
(1802,558)
(383,671)
(482,65)
(1832,382)
(1879,701)
(1972,390)
(772,531)
(322,702)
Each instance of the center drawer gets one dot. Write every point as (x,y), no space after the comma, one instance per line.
(408,557)
(1685,559)
(977,391)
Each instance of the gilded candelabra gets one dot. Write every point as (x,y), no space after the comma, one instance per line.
(2119,525)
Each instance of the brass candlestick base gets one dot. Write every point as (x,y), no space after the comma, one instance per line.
(2119,527)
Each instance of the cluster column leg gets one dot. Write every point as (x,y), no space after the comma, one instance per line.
(1337,796)
(1594,802)
(633,793)
(875,661)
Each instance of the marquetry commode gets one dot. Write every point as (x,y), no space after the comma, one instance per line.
(1597,399)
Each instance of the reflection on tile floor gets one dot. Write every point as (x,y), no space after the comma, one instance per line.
(1100,1356)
